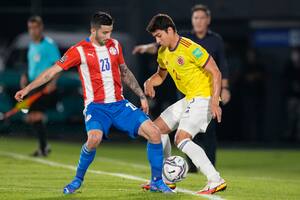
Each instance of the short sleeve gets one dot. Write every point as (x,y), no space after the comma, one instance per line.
(70,59)
(121,57)
(199,55)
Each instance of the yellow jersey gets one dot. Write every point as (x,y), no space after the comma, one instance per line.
(186,65)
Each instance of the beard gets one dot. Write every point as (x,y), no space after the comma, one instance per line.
(99,40)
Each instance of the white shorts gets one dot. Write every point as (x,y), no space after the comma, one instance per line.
(192,116)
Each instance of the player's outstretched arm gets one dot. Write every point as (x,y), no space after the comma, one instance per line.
(212,68)
(155,80)
(43,78)
(150,48)
(130,80)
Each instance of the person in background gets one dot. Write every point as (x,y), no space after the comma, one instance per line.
(42,54)
(292,89)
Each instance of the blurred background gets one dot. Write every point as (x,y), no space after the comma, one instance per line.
(262,45)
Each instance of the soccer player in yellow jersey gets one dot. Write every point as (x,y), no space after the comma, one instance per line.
(197,76)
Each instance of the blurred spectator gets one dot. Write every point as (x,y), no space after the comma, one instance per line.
(253,98)
(292,89)
(41,55)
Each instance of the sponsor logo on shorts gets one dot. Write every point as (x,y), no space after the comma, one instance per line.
(88,117)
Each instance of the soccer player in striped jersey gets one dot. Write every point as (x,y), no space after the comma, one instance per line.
(101,67)
(197,76)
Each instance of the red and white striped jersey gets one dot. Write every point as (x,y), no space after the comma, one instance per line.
(98,68)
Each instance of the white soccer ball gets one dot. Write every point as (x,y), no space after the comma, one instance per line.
(175,169)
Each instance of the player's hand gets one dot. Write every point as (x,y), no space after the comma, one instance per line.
(216,110)
(145,48)
(149,89)
(225,96)
(21,94)
(140,49)
(144,104)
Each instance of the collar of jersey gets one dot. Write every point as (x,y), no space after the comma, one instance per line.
(176,45)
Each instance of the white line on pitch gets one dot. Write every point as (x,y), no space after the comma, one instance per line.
(115,161)
(141,166)
(71,167)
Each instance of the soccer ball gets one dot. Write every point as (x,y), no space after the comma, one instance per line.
(175,169)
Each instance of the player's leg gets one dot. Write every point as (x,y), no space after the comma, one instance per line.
(208,141)
(165,139)
(194,120)
(97,124)
(87,155)
(135,122)
(168,121)
(155,155)
(88,152)
(184,142)
(164,130)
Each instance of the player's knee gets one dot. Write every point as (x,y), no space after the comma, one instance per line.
(180,136)
(93,143)
(155,135)
(163,127)
(94,139)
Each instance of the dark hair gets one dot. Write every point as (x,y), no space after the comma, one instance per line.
(35,19)
(201,7)
(101,18)
(160,22)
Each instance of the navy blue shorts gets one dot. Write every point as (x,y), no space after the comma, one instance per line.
(123,115)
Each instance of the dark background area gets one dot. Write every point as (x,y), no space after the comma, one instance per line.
(259,38)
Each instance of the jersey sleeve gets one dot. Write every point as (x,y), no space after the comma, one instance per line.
(199,55)
(70,59)
(121,57)
(160,58)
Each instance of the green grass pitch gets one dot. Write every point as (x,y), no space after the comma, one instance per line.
(250,174)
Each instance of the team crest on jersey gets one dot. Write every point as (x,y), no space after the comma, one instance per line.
(180,60)
(63,59)
(113,51)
